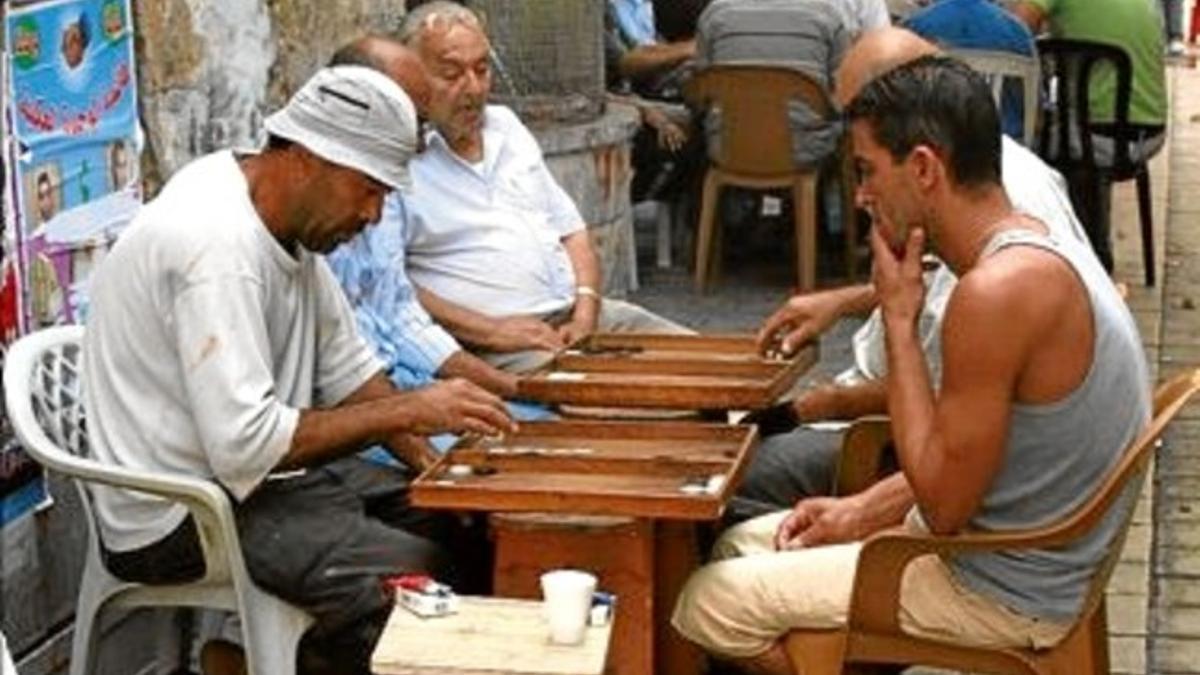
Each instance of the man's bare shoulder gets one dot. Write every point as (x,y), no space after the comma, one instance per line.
(1017,293)
(1025,275)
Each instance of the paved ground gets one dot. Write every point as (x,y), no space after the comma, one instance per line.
(1154,600)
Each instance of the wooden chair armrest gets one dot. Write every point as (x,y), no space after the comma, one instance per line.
(862,454)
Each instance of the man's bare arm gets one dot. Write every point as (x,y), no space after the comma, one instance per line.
(648,60)
(842,402)
(506,334)
(586,266)
(470,367)
(804,317)
(820,521)
(378,413)
(951,447)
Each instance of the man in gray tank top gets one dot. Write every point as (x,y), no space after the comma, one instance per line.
(1044,383)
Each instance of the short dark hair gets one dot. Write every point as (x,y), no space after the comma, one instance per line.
(940,102)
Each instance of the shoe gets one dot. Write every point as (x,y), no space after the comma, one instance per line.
(220,657)
(1176,48)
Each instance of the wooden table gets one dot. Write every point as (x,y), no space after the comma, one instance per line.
(488,636)
(643,486)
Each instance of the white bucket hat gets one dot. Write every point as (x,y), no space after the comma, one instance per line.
(354,117)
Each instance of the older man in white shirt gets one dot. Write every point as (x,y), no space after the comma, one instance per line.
(498,251)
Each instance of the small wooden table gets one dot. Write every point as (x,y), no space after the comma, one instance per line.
(644,486)
(488,636)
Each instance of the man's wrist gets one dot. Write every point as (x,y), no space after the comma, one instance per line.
(587,305)
(816,405)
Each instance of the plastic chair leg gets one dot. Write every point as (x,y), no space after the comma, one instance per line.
(849,224)
(272,630)
(662,248)
(1146,216)
(94,592)
(804,210)
(707,227)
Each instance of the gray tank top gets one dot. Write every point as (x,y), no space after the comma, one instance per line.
(1058,453)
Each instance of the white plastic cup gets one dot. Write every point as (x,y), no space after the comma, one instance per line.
(567,595)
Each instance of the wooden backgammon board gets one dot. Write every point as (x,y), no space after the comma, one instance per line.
(675,470)
(685,372)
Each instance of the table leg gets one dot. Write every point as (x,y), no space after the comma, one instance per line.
(676,556)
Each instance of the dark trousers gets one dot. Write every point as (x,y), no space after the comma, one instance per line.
(324,541)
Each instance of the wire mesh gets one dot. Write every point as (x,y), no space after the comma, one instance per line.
(548,57)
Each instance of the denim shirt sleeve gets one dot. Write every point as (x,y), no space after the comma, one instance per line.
(370,268)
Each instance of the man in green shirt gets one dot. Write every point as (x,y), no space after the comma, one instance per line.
(1135,26)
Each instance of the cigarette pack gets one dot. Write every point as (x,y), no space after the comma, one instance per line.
(423,596)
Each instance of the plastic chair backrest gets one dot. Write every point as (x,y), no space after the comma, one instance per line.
(998,67)
(44,395)
(753,100)
(1069,67)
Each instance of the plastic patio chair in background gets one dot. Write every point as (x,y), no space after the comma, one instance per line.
(1068,67)
(756,152)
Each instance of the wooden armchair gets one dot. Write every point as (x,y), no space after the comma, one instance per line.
(873,635)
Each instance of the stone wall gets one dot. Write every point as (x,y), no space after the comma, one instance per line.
(210,69)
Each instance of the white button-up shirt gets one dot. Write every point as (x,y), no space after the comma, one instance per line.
(489,236)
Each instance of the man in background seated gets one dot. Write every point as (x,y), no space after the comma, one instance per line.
(809,36)
(1136,27)
(500,255)
(1044,384)
(980,24)
(806,35)
(634,53)
(795,465)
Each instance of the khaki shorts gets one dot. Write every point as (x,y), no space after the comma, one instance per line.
(742,604)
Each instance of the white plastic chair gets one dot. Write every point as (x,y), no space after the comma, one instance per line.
(998,66)
(42,388)
(6,662)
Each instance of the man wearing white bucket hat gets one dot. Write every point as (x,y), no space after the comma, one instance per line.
(219,345)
